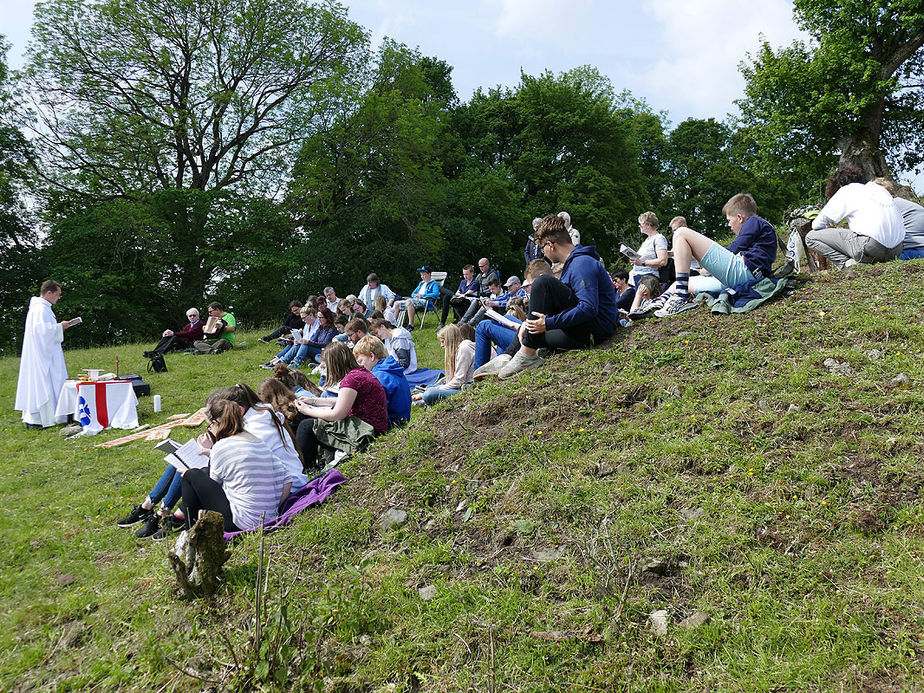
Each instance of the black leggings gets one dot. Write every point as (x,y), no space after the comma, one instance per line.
(201,492)
(308,444)
(551,296)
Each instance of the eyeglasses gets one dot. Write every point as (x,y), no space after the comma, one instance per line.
(192,315)
(547,244)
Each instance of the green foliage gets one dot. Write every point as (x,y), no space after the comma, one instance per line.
(19,261)
(136,95)
(853,91)
(120,261)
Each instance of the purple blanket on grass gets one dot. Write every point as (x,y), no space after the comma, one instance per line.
(311,493)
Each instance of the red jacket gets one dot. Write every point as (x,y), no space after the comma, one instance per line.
(191,332)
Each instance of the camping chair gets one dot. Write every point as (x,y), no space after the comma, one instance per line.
(439,278)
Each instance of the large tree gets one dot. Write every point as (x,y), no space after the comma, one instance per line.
(18,253)
(854,90)
(140,97)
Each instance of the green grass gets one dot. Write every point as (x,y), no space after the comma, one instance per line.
(533,508)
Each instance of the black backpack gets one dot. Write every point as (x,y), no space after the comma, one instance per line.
(157,364)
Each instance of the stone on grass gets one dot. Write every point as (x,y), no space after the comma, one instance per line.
(874,354)
(70,430)
(694,620)
(900,380)
(692,513)
(427,592)
(657,622)
(793,408)
(392,519)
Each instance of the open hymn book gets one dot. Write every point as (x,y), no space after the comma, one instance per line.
(183,457)
(628,252)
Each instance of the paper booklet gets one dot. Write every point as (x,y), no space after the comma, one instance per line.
(296,334)
(502,319)
(183,457)
(628,252)
(76,321)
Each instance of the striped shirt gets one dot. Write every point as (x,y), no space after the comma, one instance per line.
(250,476)
(258,420)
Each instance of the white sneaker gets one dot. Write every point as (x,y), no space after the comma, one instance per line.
(519,363)
(675,305)
(492,367)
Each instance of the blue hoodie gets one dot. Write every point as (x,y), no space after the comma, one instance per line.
(588,279)
(756,243)
(397,391)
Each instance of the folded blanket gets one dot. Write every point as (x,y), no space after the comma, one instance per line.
(311,493)
(744,297)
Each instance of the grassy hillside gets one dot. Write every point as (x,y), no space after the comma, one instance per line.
(703,466)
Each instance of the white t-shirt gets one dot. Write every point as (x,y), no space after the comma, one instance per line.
(649,251)
(259,422)
(869,210)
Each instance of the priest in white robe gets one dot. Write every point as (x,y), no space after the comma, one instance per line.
(41,370)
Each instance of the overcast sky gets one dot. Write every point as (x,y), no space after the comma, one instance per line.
(681,56)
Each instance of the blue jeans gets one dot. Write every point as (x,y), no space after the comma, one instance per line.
(288,353)
(304,352)
(432,395)
(487,332)
(911,254)
(168,488)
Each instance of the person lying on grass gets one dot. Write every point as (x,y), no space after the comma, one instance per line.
(244,480)
(459,357)
(573,312)
(349,421)
(261,420)
(750,256)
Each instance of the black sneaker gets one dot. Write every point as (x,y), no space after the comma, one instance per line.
(149,528)
(137,515)
(170,524)
(148,354)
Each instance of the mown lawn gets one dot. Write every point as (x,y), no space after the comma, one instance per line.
(702,464)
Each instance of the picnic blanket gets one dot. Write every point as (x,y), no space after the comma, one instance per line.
(744,297)
(423,376)
(315,491)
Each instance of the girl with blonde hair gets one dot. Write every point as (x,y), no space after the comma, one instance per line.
(459,359)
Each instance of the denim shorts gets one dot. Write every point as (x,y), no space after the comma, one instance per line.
(726,268)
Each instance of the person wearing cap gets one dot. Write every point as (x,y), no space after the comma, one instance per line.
(514,288)
(427,290)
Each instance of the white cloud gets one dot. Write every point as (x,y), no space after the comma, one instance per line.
(702,44)
(535,22)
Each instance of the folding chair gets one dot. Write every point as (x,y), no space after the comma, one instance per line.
(439,278)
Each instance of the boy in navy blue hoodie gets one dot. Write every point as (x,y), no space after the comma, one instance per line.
(750,256)
(571,313)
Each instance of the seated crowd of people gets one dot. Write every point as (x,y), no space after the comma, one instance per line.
(265,445)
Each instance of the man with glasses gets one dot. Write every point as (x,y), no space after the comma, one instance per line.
(577,311)
(181,339)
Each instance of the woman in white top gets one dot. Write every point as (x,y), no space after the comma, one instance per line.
(244,479)
(876,231)
(459,364)
(652,253)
